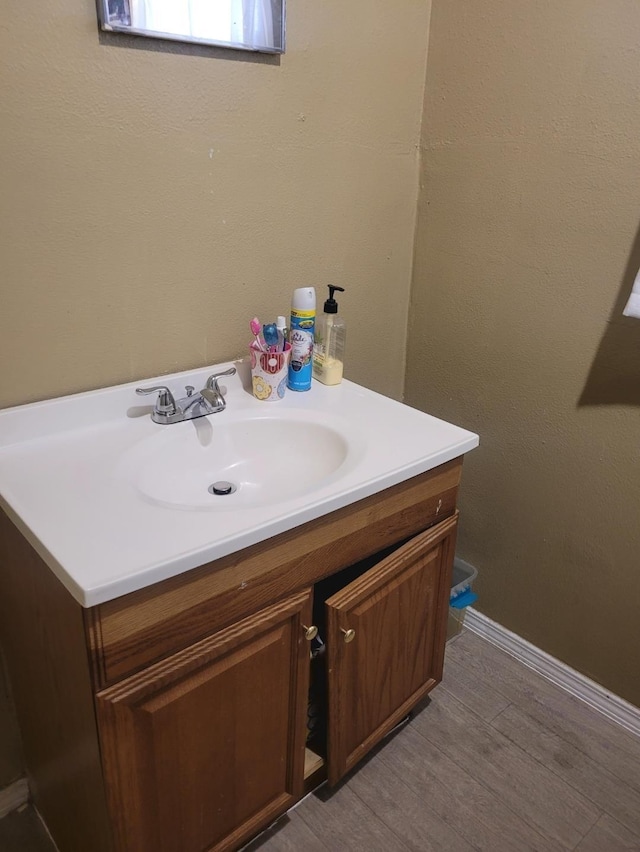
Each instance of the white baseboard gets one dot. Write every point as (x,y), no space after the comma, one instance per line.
(613,707)
(13,797)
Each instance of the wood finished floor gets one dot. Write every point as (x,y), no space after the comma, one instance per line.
(500,760)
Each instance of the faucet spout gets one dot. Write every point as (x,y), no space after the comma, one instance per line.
(190,400)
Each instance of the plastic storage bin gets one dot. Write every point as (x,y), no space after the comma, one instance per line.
(462,595)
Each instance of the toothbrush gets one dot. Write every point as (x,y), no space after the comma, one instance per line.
(255,327)
(270,334)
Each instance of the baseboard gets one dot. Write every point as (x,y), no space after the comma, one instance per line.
(596,696)
(14,796)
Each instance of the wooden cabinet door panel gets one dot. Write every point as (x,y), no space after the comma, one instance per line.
(202,750)
(398,610)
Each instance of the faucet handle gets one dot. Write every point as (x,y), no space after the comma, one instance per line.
(212,393)
(166,404)
(212,378)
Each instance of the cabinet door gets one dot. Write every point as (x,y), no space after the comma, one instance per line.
(386,635)
(203,749)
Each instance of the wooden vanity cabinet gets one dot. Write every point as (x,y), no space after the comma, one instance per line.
(200,683)
(204,748)
(386,635)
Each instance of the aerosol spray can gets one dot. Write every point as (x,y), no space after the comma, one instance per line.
(301,329)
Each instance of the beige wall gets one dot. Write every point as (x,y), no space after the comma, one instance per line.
(528,215)
(155,198)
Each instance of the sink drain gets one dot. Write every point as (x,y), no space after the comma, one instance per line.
(222,488)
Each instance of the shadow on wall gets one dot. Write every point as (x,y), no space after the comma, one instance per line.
(614,378)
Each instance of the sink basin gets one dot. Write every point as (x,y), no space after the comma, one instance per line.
(266,460)
(114,502)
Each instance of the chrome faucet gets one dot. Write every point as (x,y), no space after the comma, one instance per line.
(209,400)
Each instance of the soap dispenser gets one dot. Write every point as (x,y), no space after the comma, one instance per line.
(328,347)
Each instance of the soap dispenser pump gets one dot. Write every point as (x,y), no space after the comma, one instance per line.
(329,342)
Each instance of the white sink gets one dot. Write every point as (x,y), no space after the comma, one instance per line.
(265,461)
(114,502)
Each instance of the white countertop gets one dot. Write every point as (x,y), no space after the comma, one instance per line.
(68,476)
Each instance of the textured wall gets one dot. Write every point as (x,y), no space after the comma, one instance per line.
(526,247)
(156,197)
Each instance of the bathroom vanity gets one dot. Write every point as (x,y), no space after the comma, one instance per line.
(168,708)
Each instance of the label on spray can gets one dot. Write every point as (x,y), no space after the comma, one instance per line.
(301,340)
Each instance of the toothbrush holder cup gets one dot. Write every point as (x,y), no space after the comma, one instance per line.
(269,373)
